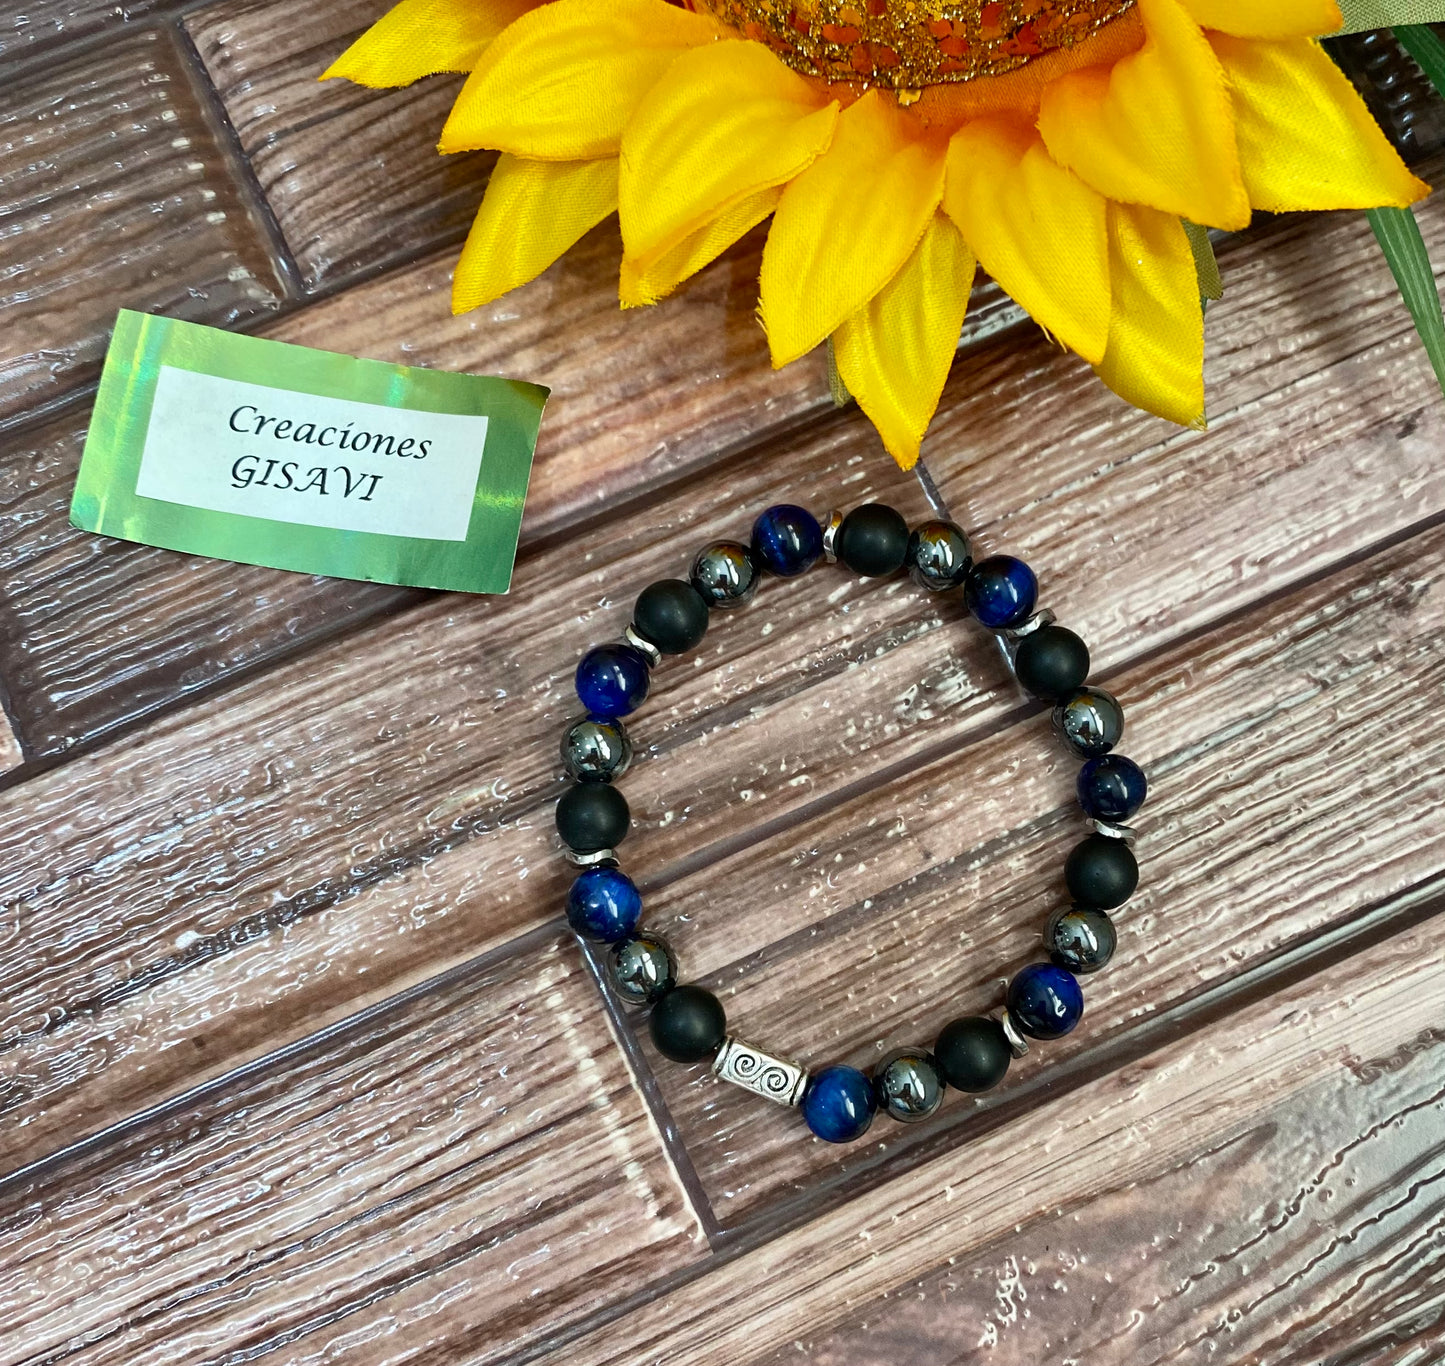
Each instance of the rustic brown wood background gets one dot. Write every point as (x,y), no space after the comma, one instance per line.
(297,1062)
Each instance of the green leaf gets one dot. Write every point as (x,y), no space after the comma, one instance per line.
(1367,14)
(1399,237)
(1427,48)
(1211,283)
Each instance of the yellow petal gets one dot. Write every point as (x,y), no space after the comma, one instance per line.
(845,227)
(1306,139)
(1035,227)
(726,121)
(646,280)
(561,83)
(421,37)
(532,212)
(1156,335)
(894,354)
(1156,128)
(1267,18)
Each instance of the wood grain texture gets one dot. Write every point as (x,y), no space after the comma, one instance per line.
(337,805)
(117,195)
(352,175)
(874,923)
(1319,1110)
(44,26)
(450,1179)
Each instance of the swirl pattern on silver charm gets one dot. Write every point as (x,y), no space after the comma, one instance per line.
(777,1079)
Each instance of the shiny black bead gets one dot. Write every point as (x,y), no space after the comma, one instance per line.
(725,574)
(873,540)
(641,969)
(1101,871)
(687,1024)
(592,816)
(973,1053)
(1089,721)
(938,556)
(1051,662)
(672,615)
(908,1084)
(596,751)
(1081,938)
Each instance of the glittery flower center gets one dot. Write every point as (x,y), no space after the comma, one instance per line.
(909,44)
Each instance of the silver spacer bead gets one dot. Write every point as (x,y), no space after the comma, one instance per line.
(830,536)
(1043,617)
(1018,1045)
(1127,833)
(643,646)
(777,1079)
(593,858)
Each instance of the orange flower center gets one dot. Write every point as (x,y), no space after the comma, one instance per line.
(907,45)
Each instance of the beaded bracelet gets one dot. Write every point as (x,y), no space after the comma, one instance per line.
(687,1023)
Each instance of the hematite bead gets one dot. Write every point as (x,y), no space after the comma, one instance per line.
(672,615)
(1101,872)
(592,816)
(908,1084)
(873,540)
(687,1024)
(1000,591)
(938,556)
(612,681)
(1112,788)
(1045,1001)
(1051,662)
(839,1104)
(596,751)
(787,540)
(641,969)
(604,905)
(1081,938)
(973,1053)
(725,574)
(1090,722)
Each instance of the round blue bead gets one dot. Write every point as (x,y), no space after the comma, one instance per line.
(604,905)
(839,1103)
(787,540)
(1045,1001)
(1001,591)
(612,681)
(1112,788)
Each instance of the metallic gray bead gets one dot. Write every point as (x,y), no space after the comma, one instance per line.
(1081,938)
(725,574)
(641,969)
(908,1084)
(1089,723)
(938,556)
(596,751)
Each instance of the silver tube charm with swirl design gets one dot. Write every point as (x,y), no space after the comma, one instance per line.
(774,1078)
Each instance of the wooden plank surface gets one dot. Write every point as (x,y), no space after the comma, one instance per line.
(282,865)
(117,195)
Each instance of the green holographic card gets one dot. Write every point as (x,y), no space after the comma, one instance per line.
(244,449)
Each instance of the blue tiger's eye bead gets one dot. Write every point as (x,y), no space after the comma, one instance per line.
(612,681)
(1001,592)
(1045,1001)
(839,1104)
(787,540)
(1112,788)
(604,905)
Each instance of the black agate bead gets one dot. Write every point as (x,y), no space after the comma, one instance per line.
(938,556)
(592,816)
(687,1024)
(1051,662)
(1101,871)
(973,1053)
(873,540)
(672,615)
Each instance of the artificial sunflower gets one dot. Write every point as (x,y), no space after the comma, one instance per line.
(1069,147)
